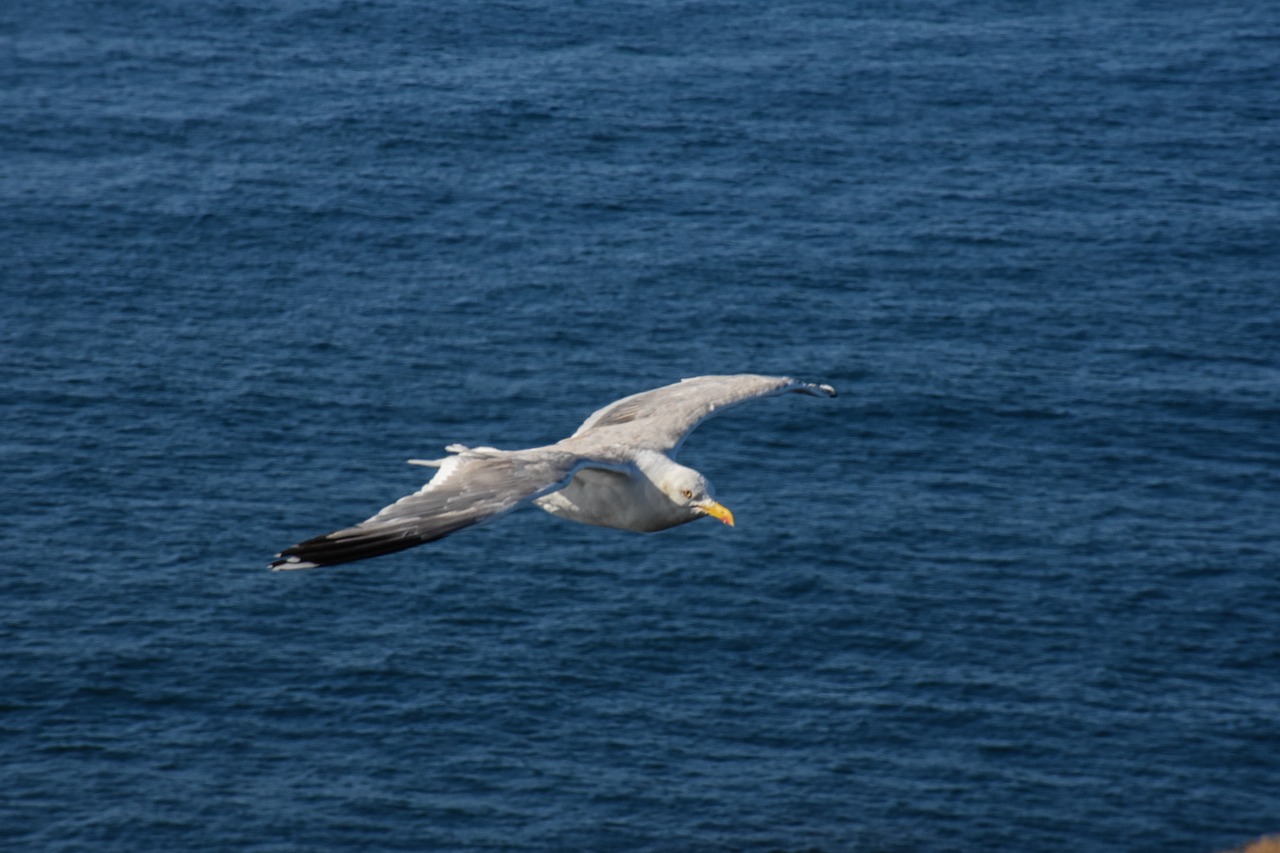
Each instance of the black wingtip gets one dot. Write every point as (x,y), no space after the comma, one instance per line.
(817,389)
(285,564)
(347,546)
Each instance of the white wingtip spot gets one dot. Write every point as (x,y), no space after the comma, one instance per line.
(292,563)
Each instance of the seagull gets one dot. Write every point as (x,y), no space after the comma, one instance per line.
(618,470)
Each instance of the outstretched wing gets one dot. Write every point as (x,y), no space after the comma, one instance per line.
(661,419)
(471,488)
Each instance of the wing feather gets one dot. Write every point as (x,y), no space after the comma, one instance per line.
(661,419)
(471,488)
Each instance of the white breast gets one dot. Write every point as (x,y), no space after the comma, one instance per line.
(613,499)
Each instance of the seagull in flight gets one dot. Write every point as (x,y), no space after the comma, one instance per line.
(618,470)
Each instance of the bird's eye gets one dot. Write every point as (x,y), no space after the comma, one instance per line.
(687,493)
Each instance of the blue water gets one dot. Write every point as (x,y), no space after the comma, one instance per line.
(1015,588)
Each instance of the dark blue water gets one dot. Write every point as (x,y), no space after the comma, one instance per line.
(1016,588)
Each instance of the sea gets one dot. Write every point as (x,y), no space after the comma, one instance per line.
(1016,588)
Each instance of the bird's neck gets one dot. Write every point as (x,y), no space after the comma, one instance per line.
(657,467)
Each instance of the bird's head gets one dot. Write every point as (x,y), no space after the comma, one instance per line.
(686,487)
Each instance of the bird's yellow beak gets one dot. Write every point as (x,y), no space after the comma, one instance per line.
(716,510)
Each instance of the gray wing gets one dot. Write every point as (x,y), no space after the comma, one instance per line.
(661,419)
(471,488)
